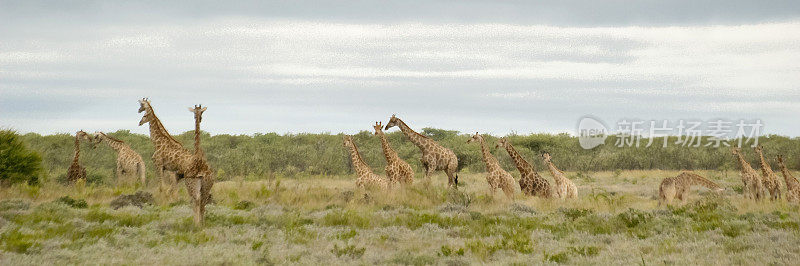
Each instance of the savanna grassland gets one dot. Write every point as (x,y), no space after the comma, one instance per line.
(326,220)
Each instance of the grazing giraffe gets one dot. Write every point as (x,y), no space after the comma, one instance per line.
(76,171)
(530,182)
(679,186)
(753,188)
(169,155)
(792,185)
(200,177)
(769,178)
(495,175)
(565,188)
(129,162)
(434,156)
(366,178)
(397,170)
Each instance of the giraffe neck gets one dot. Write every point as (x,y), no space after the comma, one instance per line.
(523,166)
(746,168)
(77,150)
(413,136)
(111,143)
(554,170)
(197,149)
(791,182)
(358,162)
(159,135)
(765,168)
(388,152)
(488,158)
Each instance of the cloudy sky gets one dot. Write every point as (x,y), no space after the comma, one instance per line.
(325,66)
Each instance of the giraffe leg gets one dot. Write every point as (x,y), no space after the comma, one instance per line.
(451,180)
(428,172)
(118,173)
(193,188)
(141,171)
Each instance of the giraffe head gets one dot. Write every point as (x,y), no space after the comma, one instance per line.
(98,137)
(198,112)
(759,149)
(736,151)
(476,137)
(81,135)
(377,128)
(393,121)
(347,141)
(144,106)
(502,143)
(546,157)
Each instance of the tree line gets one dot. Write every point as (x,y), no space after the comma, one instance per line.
(306,155)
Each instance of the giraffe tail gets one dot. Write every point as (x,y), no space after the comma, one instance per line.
(696,179)
(456,179)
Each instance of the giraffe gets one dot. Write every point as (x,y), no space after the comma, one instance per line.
(76,171)
(769,178)
(753,188)
(678,187)
(397,170)
(792,185)
(434,156)
(128,161)
(565,188)
(169,156)
(496,176)
(366,178)
(530,182)
(200,177)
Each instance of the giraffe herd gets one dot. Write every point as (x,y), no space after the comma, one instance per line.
(173,163)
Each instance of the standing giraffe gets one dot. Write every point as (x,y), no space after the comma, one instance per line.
(530,182)
(169,155)
(753,188)
(397,170)
(565,188)
(769,178)
(200,177)
(76,171)
(678,187)
(495,176)
(434,156)
(792,185)
(129,162)
(366,178)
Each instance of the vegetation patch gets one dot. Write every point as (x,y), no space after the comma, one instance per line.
(79,203)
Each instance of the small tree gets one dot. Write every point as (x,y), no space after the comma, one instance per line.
(17,162)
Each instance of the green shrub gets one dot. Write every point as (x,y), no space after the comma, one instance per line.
(17,162)
(296,155)
(561,257)
(244,205)
(349,251)
(67,200)
(633,217)
(575,213)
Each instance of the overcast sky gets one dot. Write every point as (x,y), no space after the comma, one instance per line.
(324,66)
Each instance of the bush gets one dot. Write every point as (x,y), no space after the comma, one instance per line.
(67,200)
(17,162)
(299,155)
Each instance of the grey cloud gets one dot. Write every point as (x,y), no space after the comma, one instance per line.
(564,13)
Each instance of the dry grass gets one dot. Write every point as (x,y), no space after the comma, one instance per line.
(326,220)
